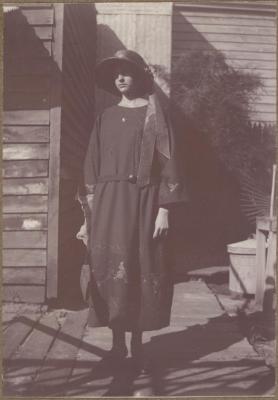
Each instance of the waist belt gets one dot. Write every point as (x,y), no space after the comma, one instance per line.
(117,178)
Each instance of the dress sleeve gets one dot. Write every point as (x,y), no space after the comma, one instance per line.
(172,187)
(91,164)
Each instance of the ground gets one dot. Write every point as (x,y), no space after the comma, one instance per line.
(202,353)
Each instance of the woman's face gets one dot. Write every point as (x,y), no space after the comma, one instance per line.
(124,78)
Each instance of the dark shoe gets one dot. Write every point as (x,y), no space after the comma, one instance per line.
(116,353)
(138,359)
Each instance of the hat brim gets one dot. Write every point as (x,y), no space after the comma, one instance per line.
(104,73)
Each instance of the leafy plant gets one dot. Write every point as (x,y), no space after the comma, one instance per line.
(217,99)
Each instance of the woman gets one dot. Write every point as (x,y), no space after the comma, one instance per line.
(131,181)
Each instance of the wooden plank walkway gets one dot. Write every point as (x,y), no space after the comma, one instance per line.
(201,353)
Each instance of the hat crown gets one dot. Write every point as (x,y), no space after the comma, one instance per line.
(130,55)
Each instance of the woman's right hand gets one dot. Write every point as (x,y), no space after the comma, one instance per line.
(83,234)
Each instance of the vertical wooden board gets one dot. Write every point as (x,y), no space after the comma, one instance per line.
(25,186)
(23,276)
(260,267)
(131,8)
(24,294)
(33,353)
(17,332)
(153,38)
(54,163)
(37,151)
(51,381)
(24,257)
(25,222)
(25,134)
(25,168)
(37,117)
(25,204)
(24,239)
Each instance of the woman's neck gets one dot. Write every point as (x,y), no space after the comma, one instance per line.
(134,102)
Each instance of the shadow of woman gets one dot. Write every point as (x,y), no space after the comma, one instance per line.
(179,361)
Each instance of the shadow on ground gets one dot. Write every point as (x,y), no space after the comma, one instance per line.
(186,362)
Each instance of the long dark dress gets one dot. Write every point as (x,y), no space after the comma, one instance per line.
(131,283)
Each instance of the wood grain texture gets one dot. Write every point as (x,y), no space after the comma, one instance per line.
(24,258)
(24,294)
(136,8)
(27,84)
(20,328)
(65,348)
(43,32)
(37,65)
(39,17)
(229,29)
(25,186)
(24,239)
(25,134)
(247,40)
(24,222)
(36,348)
(25,168)
(25,151)
(54,165)
(23,276)
(25,100)
(216,19)
(25,204)
(203,45)
(38,117)
(233,37)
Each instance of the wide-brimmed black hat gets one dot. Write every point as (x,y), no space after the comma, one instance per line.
(105,68)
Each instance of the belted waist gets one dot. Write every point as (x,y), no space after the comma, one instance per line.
(120,177)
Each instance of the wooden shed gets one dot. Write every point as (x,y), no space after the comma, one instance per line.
(49,57)
(50,52)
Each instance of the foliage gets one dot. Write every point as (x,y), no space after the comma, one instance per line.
(217,98)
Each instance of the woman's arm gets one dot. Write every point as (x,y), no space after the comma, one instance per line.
(86,205)
(88,181)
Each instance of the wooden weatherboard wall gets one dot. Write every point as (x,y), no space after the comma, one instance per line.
(49,58)
(29,131)
(244,31)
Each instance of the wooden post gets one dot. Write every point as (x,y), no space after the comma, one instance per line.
(54,162)
(260,265)
(266,226)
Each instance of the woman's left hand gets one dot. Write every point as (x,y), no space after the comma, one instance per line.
(161,223)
